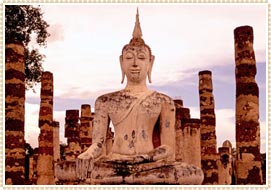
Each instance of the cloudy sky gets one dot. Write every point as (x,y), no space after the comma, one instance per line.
(86,41)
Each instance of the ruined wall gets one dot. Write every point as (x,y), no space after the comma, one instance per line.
(191,138)
(85,131)
(72,133)
(208,133)
(45,163)
(248,161)
(180,113)
(14,114)
(187,136)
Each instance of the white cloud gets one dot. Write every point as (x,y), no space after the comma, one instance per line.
(32,130)
(225,125)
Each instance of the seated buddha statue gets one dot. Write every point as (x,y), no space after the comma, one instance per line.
(134,112)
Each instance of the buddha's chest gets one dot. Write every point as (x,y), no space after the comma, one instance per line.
(134,111)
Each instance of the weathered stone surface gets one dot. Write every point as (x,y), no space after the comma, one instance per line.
(65,171)
(14,114)
(248,160)
(45,161)
(208,133)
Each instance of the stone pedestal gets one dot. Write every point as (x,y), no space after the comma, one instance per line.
(14,114)
(162,172)
(45,163)
(248,160)
(207,130)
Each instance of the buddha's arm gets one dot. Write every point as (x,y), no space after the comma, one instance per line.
(167,132)
(101,121)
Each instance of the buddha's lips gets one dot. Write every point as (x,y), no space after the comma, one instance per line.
(135,71)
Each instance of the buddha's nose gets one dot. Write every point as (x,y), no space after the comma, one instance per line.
(135,63)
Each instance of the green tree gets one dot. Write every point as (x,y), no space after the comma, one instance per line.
(22,22)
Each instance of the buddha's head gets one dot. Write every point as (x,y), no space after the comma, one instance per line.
(136,60)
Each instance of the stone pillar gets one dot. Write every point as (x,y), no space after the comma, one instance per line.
(191,141)
(248,161)
(72,133)
(31,167)
(14,113)
(45,164)
(208,134)
(35,161)
(85,132)
(56,141)
(180,114)
(224,165)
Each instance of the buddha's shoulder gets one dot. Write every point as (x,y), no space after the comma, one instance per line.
(162,97)
(113,96)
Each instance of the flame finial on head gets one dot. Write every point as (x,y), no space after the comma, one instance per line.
(137,40)
(137,30)
(137,33)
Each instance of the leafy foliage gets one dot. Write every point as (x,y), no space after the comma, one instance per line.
(21,22)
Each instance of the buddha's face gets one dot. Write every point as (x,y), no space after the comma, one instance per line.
(136,63)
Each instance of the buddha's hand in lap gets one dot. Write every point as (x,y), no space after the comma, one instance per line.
(85,161)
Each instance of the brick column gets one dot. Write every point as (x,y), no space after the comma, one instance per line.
(85,132)
(208,134)
(72,133)
(191,138)
(56,141)
(45,166)
(181,113)
(14,114)
(248,161)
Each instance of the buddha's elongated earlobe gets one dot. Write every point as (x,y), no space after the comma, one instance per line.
(122,78)
(150,68)
(122,70)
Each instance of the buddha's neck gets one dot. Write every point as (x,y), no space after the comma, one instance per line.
(136,88)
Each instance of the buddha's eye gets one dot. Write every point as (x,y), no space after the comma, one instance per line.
(141,56)
(128,56)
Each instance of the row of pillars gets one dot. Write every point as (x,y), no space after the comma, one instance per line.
(248,158)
